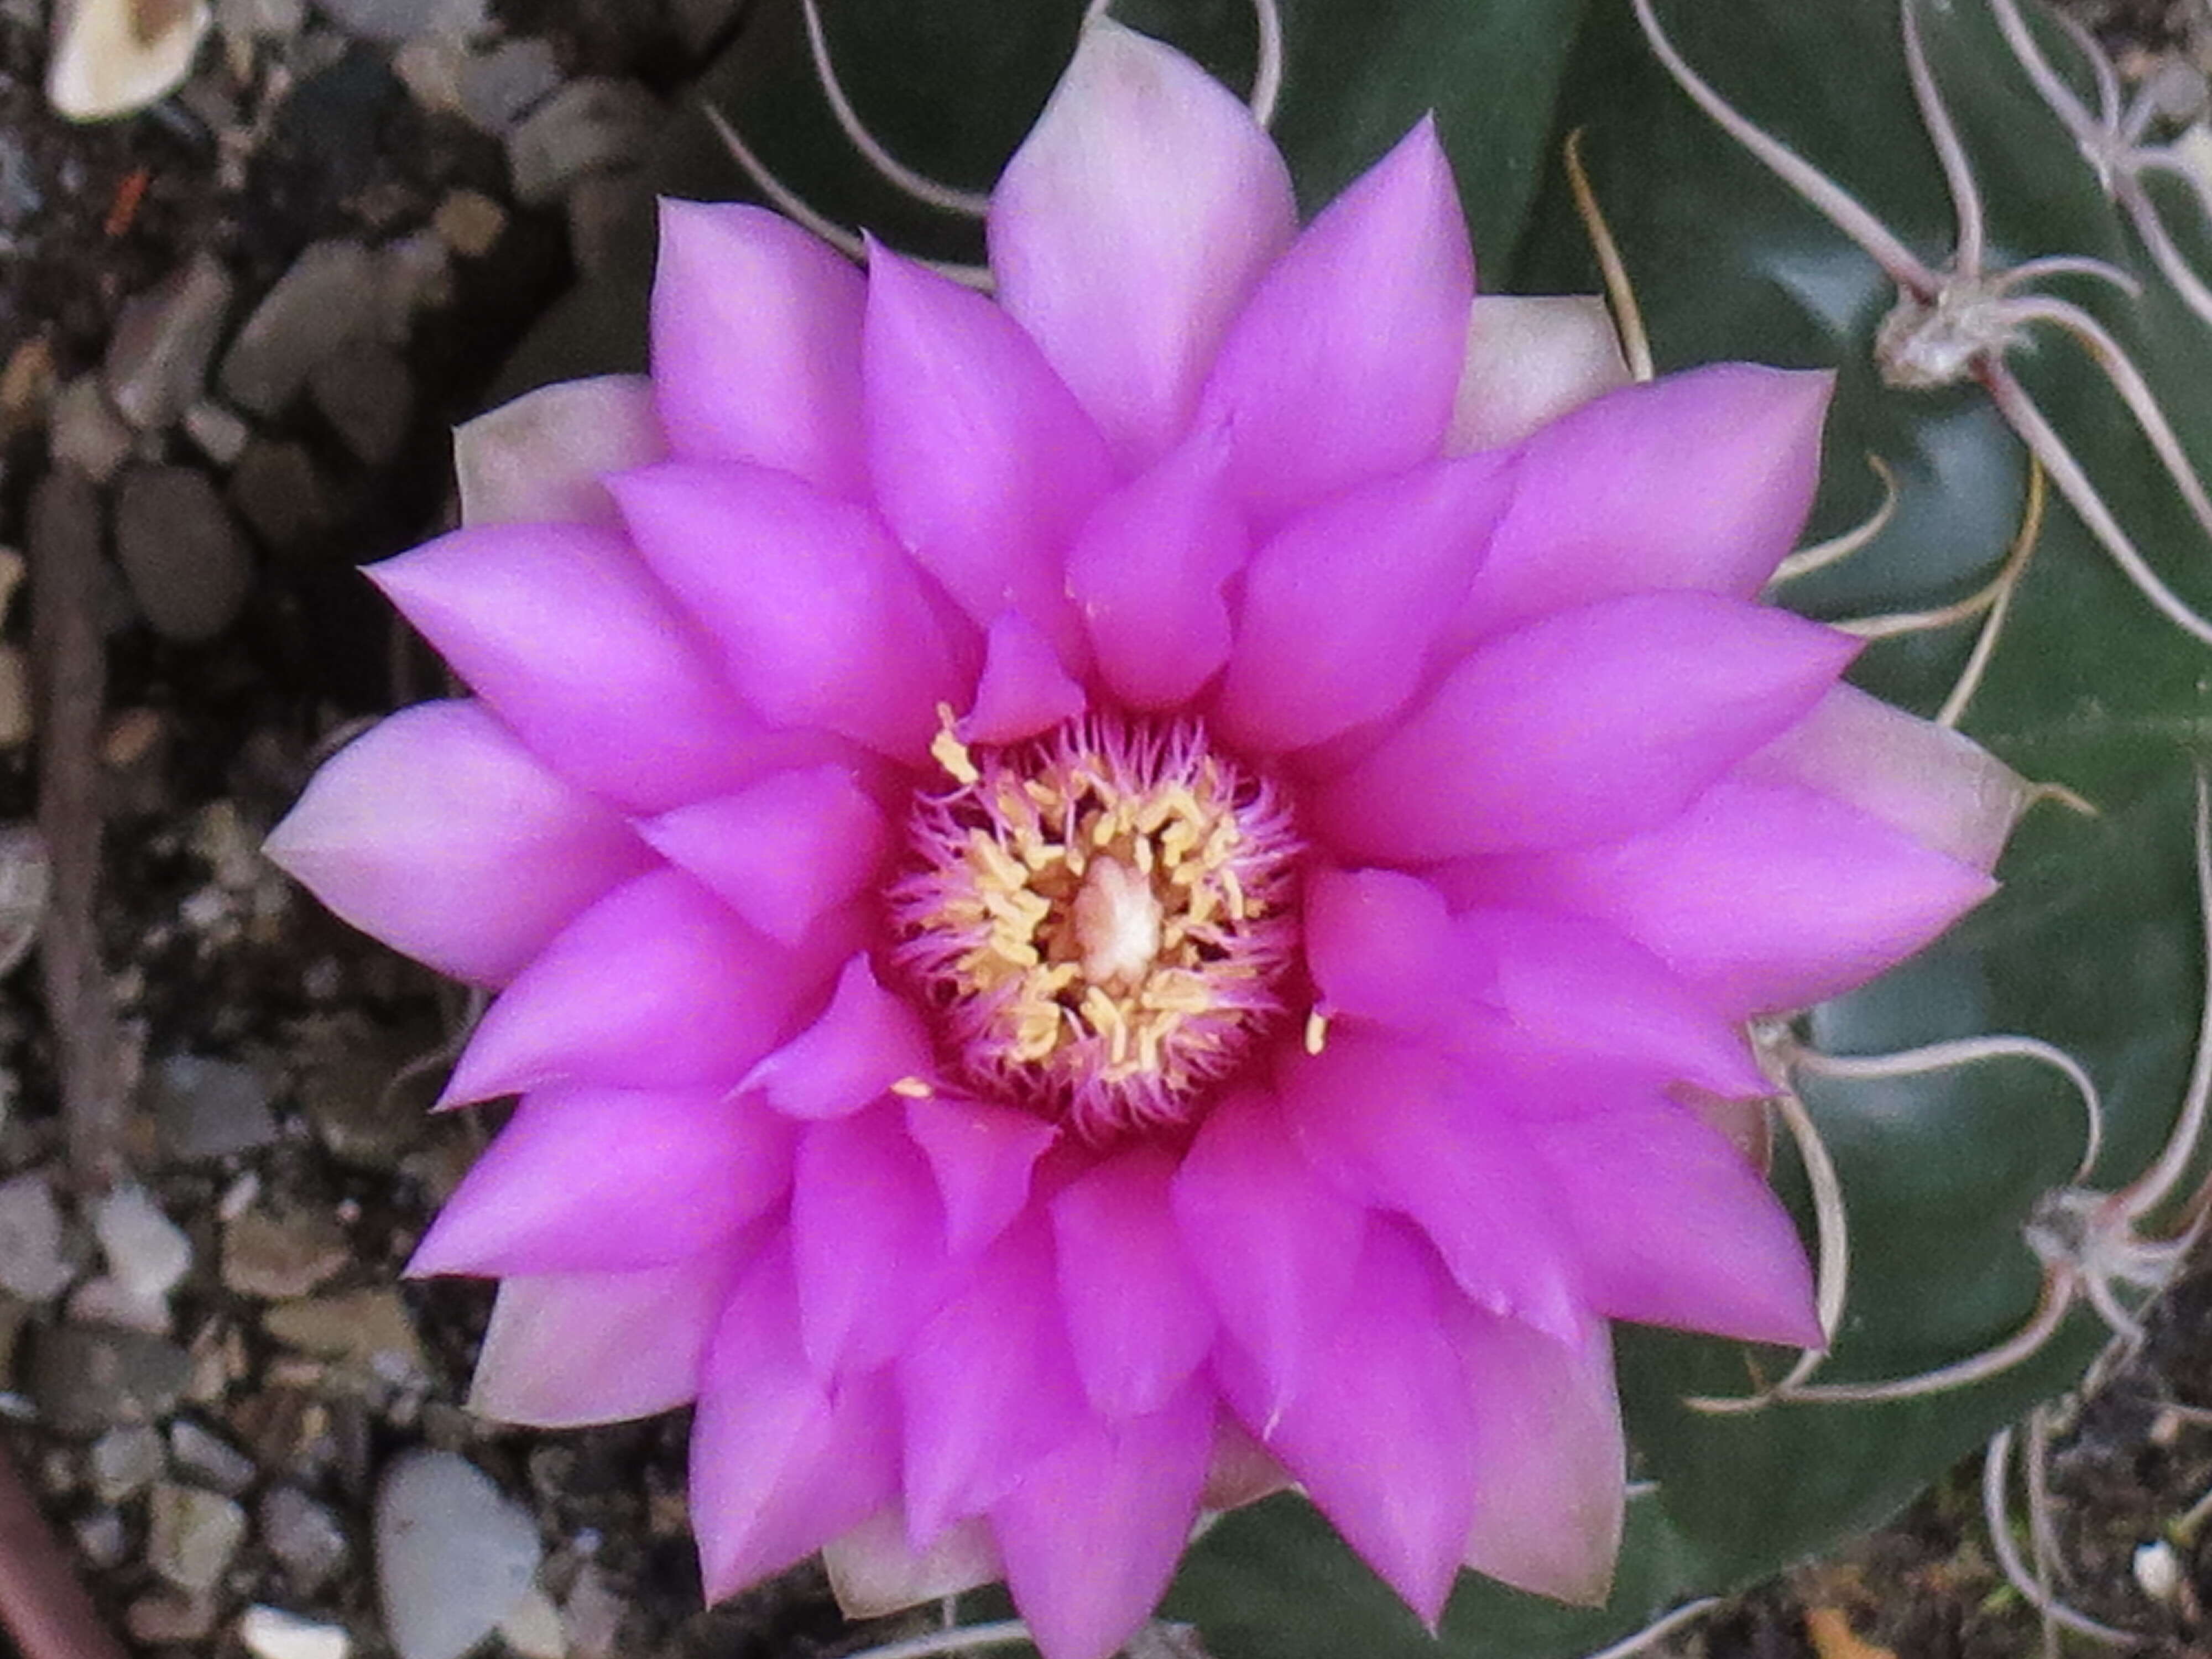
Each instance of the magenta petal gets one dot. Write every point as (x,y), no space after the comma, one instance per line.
(874,1570)
(1274,1241)
(656,985)
(1340,606)
(1091,1535)
(989,1385)
(595,1180)
(540,458)
(984,463)
(564,1349)
(1024,690)
(563,633)
(757,344)
(1379,946)
(780,1463)
(1587,725)
(1938,786)
(1344,365)
(1130,226)
(821,620)
(1137,1314)
(1530,358)
(1673,1227)
(783,851)
(1147,572)
(1401,1126)
(982,1157)
(1701,480)
(1550,1464)
(866,1238)
(1766,897)
(867,1040)
(414,832)
(1381,1437)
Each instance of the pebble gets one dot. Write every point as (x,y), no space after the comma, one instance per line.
(101,1537)
(85,1379)
(593,1615)
(2158,1571)
(125,1461)
(454,1555)
(104,1301)
(272,1633)
(281,1258)
(430,69)
(414,273)
(188,567)
(470,223)
(147,1253)
(268,20)
(18,718)
(20,195)
(370,1328)
(499,87)
(210,1108)
(158,355)
(209,1459)
(533,1629)
(594,125)
(109,58)
(32,1262)
(170,1616)
(279,491)
(317,308)
(304,1536)
(86,432)
(367,395)
(394,21)
(26,882)
(14,1315)
(221,434)
(192,1534)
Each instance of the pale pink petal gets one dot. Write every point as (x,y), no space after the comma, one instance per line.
(757,344)
(1340,605)
(989,1385)
(541,457)
(780,1462)
(874,1570)
(982,1157)
(867,1040)
(1137,1314)
(1378,944)
(984,463)
(1529,360)
(1241,1471)
(1343,365)
(868,1240)
(657,986)
(1024,690)
(1381,1437)
(1148,569)
(821,620)
(783,851)
(562,631)
(1701,480)
(1766,897)
(1673,1226)
(1275,1243)
(564,1349)
(1091,1535)
(596,1179)
(1130,226)
(1594,724)
(1939,787)
(413,832)
(1550,1465)
(1399,1125)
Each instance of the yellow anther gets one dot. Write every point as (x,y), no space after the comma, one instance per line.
(1317,1031)
(913,1088)
(949,752)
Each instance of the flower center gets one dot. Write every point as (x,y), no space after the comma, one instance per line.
(1101,917)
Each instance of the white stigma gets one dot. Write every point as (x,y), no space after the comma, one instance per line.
(1117,925)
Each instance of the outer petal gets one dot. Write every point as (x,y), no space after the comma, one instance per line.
(567,1349)
(1091,1535)
(756,344)
(657,986)
(984,463)
(1341,604)
(560,629)
(1764,896)
(982,1157)
(540,458)
(1024,690)
(1148,570)
(780,1463)
(1379,945)
(874,1570)
(415,830)
(866,1041)
(1529,360)
(1550,1464)
(1128,228)
(1344,365)
(782,852)
(821,620)
(1597,723)
(1701,480)
(1673,1227)
(1137,1314)
(868,1240)
(594,1180)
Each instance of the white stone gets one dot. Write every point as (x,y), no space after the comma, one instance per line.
(31,1262)
(272,1633)
(2158,1571)
(192,1535)
(220,433)
(454,1556)
(146,1251)
(102,66)
(533,1629)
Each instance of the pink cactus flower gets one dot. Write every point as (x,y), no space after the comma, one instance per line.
(1105,900)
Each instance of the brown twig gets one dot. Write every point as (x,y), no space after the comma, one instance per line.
(70,667)
(42,1605)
